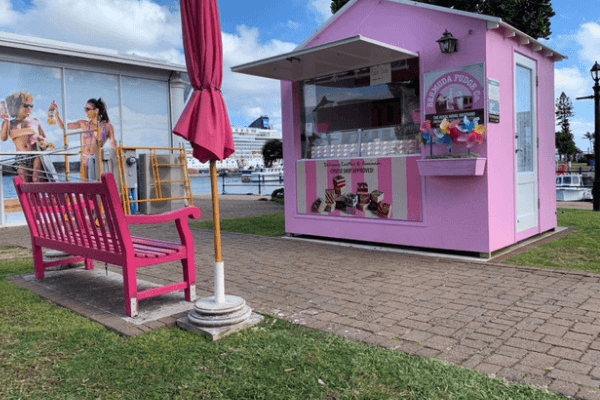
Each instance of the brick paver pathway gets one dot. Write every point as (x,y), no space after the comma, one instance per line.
(532,325)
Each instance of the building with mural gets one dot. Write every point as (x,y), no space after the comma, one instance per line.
(144,97)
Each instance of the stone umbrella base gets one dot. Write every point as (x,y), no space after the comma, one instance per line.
(219,319)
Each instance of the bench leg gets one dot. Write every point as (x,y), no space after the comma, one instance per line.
(189,276)
(130,286)
(38,262)
(89,264)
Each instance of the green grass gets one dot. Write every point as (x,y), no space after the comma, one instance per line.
(263,225)
(49,352)
(580,250)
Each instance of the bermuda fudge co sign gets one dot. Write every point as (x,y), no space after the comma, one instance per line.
(385,188)
(454,93)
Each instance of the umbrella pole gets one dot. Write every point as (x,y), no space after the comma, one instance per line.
(220,315)
(219,270)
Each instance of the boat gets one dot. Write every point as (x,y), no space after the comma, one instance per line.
(196,167)
(264,174)
(569,187)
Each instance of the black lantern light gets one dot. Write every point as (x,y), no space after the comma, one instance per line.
(448,43)
(595,71)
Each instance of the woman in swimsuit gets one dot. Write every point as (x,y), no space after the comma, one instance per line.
(25,133)
(97,116)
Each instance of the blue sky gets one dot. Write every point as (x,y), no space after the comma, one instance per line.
(262,28)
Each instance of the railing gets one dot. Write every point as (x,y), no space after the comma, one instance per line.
(262,184)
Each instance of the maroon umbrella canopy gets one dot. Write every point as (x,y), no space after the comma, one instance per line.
(204,121)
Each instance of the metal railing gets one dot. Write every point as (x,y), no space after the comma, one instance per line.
(262,183)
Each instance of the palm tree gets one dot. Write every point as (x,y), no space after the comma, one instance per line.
(590,136)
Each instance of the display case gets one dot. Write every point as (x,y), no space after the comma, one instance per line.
(346,115)
(388,141)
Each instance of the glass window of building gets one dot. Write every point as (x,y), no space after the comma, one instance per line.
(36,87)
(145,112)
(344,116)
(84,85)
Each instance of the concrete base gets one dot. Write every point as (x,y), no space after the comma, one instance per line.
(217,333)
(219,319)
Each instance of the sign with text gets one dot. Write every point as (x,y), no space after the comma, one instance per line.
(493,100)
(381,74)
(384,188)
(455,93)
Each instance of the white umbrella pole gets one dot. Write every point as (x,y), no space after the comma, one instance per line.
(219,268)
(220,315)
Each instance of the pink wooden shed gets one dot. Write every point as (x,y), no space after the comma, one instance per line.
(354,97)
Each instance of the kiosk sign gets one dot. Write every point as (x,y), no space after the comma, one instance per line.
(454,93)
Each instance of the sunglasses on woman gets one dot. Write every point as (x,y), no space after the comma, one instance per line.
(88,109)
(27,105)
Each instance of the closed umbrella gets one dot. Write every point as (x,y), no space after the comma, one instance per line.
(205,123)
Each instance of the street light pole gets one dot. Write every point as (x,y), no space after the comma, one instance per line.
(596,189)
(595,71)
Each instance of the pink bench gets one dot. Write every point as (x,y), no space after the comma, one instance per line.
(86,220)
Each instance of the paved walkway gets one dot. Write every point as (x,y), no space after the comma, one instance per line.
(536,326)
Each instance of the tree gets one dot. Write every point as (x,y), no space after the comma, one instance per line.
(564,138)
(272,151)
(591,137)
(564,111)
(529,16)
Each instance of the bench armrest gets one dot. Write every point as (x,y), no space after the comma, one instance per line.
(185,212)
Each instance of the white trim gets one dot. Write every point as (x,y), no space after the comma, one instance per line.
(534,220)
(41,45)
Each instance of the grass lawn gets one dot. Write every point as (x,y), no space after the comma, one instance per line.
(263,225)
(579,250)
(49,352)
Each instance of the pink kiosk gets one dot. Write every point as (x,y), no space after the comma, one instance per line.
(416,125)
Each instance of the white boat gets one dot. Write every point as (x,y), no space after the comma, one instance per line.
(195,166)
(569,187)
(264,174)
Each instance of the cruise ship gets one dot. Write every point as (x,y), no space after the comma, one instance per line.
(249,142)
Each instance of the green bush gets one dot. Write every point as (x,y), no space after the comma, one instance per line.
(277,195)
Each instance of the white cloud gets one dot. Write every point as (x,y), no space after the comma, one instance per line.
(7,14)
(245,93)
(571,81)
(588,37)
(292,24)
(253,112)
(322,8)
(123,25)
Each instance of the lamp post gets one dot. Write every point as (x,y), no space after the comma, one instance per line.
(595,71)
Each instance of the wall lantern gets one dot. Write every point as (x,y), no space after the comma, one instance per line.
(448,43)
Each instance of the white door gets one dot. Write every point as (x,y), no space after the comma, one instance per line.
(526,143)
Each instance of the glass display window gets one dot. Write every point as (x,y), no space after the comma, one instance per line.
(346,115)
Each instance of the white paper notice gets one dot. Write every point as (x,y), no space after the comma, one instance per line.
(381,74)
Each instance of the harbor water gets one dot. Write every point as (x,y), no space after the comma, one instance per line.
(200,185)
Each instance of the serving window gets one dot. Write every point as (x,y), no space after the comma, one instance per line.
(349,115)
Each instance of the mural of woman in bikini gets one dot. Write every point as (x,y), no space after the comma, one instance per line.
(26,133)
(97,116)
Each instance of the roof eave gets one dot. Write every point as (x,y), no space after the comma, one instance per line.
(82,51)
(526,40)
